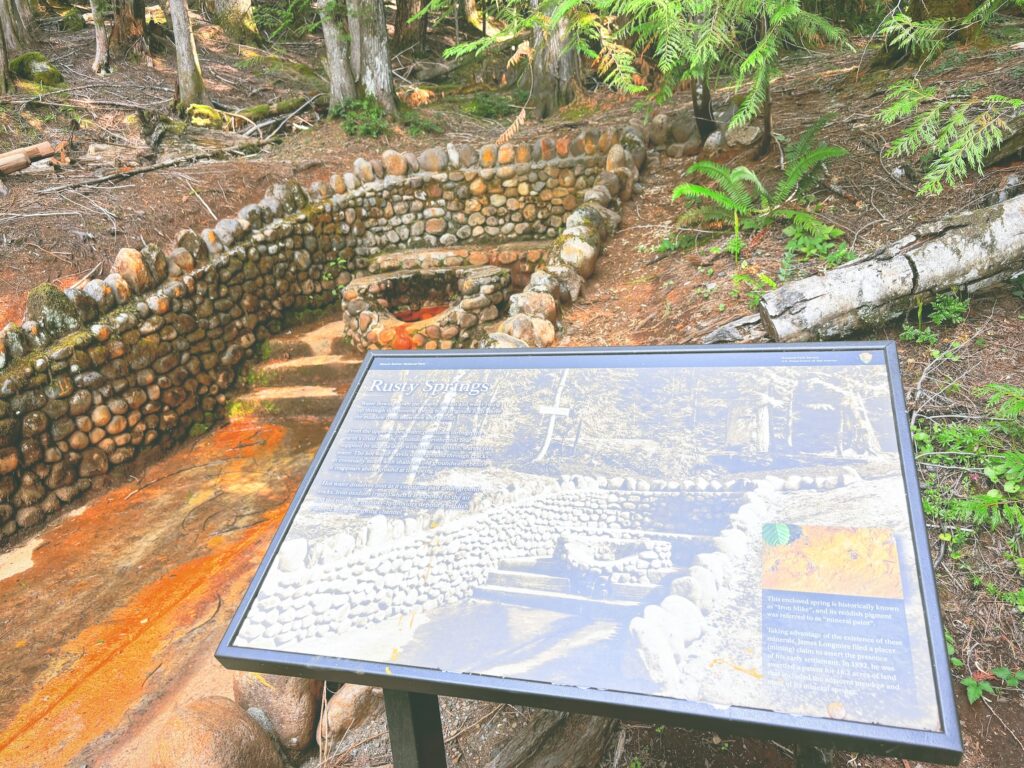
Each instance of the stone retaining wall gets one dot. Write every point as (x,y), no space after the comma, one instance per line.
(399,566)
(145,355)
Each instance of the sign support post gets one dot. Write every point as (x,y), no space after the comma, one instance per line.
(414,727)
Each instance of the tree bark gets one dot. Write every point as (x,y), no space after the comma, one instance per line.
(971,252)
(354,10)
(5,78)
(336,46)
(128,33)
(16,32)
(376,62)
(409,34)
(556,71)
(101,62)
(235,18)
(703,108)
(191,89)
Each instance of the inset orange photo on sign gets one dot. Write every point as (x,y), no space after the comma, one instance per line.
(830,560)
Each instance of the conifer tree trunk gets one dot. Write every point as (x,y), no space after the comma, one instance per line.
(409,34)
(376,76)
(101,63)
(128,33)
(354,11)
(556,71)
(766,108)
(16,32)
(235,18)
(5,78)
(336,46)
(190,75)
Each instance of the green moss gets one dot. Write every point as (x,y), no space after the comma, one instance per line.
(72,21)
(198,429)
(34,67)
(48,306)
(204,116)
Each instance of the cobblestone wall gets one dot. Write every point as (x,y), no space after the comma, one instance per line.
(394,566)
(96,373)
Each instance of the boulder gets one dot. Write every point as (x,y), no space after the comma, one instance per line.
(743,136)
(36,68)
(534,304)
(395,164)
(213,732)
(346,710)
(291,704)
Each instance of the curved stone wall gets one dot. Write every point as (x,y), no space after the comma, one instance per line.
(98,372)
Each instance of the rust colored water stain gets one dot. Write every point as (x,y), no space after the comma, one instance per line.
(142,580)
(415,315)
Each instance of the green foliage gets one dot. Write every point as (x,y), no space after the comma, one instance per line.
(288,20)
(490,105)
(736,197)
(958,131)
(976,689)
(949,309)
(988,455)
(811,238)
(753,285)
(417,123)
(362,117)
(917,335)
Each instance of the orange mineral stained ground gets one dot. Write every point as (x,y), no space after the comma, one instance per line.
(128,598)
(837,561)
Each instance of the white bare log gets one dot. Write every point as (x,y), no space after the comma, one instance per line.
(101,62)
(971,252)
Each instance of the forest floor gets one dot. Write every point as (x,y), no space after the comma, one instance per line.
(642,293)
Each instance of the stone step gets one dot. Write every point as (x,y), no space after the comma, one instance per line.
(546,565)
(317,370)
(311,401)
(561,602)
(326,339)
(637,593)
(527,580)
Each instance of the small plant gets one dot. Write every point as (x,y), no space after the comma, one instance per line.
(416,123)
(976,689)
(949,309)
(925,336)
(753,286)
(362,117)
(809,237)
(490,105)
(738,199)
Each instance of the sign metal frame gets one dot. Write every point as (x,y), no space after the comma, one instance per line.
(943,746)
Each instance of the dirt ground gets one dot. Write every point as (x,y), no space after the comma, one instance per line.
(639,295)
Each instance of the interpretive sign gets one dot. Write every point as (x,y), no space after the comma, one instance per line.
(728,537)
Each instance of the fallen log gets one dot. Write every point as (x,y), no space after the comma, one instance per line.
(18,159)
(1012,145)
(970,252)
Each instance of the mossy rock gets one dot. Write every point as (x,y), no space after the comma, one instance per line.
(35,68)
(72,21)
(53,310)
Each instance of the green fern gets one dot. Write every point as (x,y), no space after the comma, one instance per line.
(958,132)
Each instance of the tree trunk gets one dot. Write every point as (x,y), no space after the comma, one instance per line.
(16,32)
(556,72)
(101,63)
(336,46)
(409,34)
(376,62)
(766,108)
(128,33)
(703,109)
(972,252)
(5,78)
(190,76)
(25,13)
(354,11)
(235,18)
